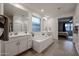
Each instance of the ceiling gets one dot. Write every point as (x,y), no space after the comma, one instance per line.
(50,9)
(10,10)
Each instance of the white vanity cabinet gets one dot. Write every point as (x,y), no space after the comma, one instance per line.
(23,44)
(11,48)
(17,45)
(29,45)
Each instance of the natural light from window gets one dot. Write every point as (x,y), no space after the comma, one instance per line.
(35,24)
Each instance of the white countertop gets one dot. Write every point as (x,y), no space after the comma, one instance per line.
(41,38)
(19,34)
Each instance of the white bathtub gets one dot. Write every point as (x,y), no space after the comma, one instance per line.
(40,43)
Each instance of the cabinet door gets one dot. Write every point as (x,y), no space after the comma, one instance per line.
(29,41)
(11,48)
(23,44)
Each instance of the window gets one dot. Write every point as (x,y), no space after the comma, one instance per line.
(35,24)
(69,26)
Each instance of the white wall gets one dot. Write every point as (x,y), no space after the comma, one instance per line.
(55,27)
(1,13)
(0,40)
(76,15)
(76,22)
(53,24)
(1,8)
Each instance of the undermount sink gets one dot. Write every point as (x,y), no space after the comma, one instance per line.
(18,34)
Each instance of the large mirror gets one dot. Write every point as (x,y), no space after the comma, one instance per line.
(18,19)
(45,28)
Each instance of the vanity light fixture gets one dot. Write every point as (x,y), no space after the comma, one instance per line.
(45,18)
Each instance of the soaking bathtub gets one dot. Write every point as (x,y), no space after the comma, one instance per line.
(40,43)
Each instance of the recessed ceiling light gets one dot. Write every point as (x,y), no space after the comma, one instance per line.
(59,8)
(42,10)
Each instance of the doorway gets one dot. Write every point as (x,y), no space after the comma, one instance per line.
(65,28)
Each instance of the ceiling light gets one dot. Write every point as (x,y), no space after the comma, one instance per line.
(59,8)
(42,10)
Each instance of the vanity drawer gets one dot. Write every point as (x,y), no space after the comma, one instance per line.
(29,44)
(12,39)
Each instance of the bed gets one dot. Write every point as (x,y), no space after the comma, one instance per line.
(65,34)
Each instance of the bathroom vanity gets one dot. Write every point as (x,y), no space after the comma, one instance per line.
(18,44)
(41,42)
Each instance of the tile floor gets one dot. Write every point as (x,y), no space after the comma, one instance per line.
(58,48)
